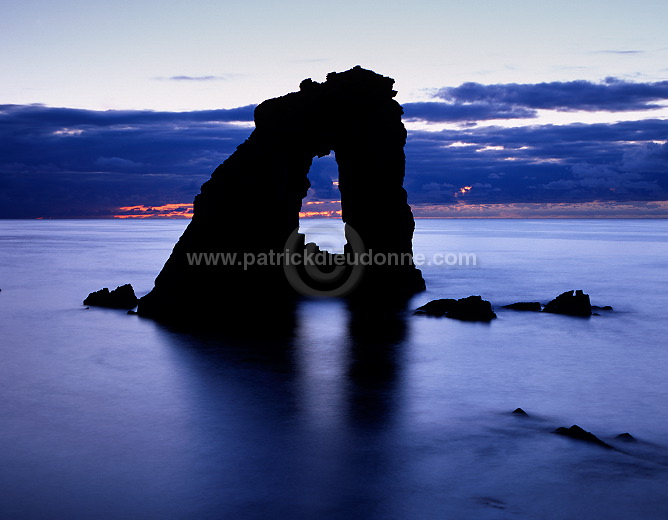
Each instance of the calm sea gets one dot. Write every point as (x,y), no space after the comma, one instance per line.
(109,416)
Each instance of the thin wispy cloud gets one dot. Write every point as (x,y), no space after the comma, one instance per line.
(615,51)
(182,77)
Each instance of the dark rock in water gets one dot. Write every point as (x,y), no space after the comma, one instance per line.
(437,307)
(575,432)
(471,308)
(572,303)
(352,113)
(626,437)
(123,297)
(524,306)
(604,308)
(132,312)
(520,412)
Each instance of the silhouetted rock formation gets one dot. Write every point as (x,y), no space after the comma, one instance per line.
(572,303)
(122,297)
(524,306)
(519,412)
(626,437)
(575,432)
(437,308)
(471,308)
(352,113)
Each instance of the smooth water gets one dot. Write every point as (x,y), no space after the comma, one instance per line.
(108,416)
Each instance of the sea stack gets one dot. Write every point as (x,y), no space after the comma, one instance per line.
(229,257)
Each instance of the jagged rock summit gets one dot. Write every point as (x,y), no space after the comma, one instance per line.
(352,113)
(571,303)
(575,432)
(123,297)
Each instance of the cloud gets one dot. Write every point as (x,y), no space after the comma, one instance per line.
(542,163)
(117,163)
(64,162)
(610,95)
(221,77)
(36,117)
(648,157)
(613,51)
(59,162)
(436,112)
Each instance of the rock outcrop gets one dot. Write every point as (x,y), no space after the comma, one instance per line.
(575,432)
(572,303)
(626,437)
(123,297)
(471,308)
(249,210)
(437,308)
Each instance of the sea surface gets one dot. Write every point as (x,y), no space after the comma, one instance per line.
(105,415)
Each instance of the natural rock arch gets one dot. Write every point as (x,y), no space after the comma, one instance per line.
(251,204)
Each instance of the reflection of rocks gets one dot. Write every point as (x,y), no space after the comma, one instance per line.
(354,114)
(524,306)
(472,308)
(575,432)
(122,297)
(572,303)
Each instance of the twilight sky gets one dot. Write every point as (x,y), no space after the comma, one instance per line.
(514,108)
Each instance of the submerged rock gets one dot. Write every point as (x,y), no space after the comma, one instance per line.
(471,308)
(123,297)
(571,303)
(520,412)
(575,432)
(524,306)
(626,437)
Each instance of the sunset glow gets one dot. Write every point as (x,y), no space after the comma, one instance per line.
(327,209)
(164,211)
(331,209)
(321,214)
(463,190)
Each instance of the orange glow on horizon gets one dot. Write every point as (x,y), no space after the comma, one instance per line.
(327,214)
(322,202)
(164,211)
(458,209)
(184,210)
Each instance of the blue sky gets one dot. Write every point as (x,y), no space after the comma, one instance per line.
(526,103)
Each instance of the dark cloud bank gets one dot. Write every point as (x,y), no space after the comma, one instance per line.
(58,162)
